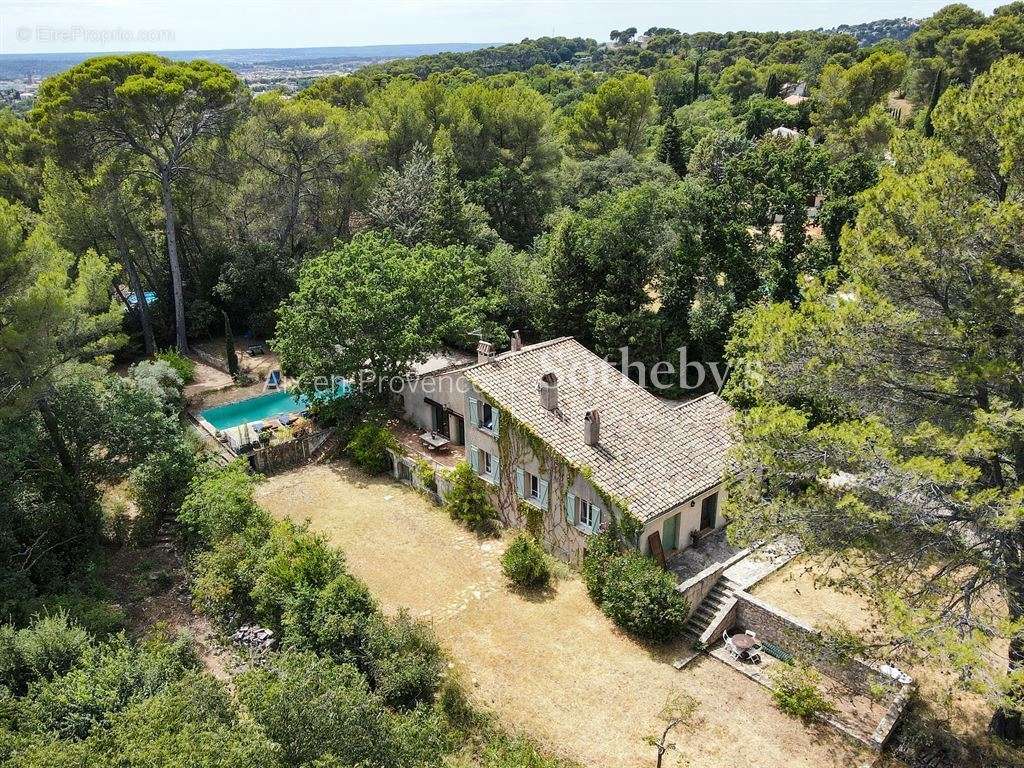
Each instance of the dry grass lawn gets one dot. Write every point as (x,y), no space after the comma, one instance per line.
(554,666)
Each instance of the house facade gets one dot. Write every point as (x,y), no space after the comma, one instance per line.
(567,443)
(432,397)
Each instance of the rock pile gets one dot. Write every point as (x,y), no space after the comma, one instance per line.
(254,637)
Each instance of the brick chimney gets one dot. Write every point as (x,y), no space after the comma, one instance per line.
(548,388)
(517,341)
(592,427)
(484,351)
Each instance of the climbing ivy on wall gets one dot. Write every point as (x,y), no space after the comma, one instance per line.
(517,442)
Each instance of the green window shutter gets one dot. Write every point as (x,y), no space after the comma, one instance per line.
(520,483)
(542,489)
(474,459)
(495,469)
(473,415)
(597,519)
(570,508)
(494,420)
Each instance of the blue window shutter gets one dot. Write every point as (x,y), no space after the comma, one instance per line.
(542,490)
(520,483)
(570,508)
(494,420)
(596,522)
(474,459)
(495,469)
(472,412)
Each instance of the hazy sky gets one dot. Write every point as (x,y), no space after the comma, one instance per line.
(115,25)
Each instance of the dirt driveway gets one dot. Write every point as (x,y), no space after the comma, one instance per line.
(553,667)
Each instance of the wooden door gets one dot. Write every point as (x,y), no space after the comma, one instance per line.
(709,512)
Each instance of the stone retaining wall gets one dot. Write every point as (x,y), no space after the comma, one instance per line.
(804,642)
(697,587)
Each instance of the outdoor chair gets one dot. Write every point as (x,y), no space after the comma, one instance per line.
(754,656)
(750,633)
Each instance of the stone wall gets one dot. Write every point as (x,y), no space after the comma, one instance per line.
(697,587)
(804,642)
(286,455)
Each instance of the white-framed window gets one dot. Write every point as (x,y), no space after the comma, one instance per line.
(531,488)
(585,514)
(486,463)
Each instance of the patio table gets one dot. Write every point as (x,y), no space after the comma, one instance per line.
(744,643)
(434,441)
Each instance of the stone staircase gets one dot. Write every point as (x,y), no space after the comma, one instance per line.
(709,607)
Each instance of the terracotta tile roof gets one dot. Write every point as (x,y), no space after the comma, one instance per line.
(651,454)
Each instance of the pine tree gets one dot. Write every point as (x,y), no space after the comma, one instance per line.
(229,347)
(670,148)
(937,87)
(451,219)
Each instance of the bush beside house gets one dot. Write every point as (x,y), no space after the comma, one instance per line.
(467,500)
(632,590)
(368,447)
(525,563)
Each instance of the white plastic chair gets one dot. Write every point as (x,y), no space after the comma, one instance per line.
(750,633)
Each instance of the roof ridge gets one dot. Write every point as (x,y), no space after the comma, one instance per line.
(688,403)
(528,348)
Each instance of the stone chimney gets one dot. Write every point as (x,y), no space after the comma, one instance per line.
(517,341)
(484,351)
(548,388)
(592,427)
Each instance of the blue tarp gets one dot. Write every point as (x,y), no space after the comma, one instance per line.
(133,299)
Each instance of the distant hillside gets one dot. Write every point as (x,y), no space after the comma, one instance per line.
(872,32)
(240,59)
(511,57)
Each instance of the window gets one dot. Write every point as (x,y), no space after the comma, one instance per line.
(534,486)
(584,513)
(486,416)
(487,463)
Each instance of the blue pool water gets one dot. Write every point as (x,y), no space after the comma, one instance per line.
(258,408)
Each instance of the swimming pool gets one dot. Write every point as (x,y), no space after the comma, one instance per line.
(257,408)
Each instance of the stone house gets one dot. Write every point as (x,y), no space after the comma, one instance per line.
(565,438)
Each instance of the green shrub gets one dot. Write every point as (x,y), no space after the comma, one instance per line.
(161,380)
(525,563)
(192,723)
(641,598)
(467,499)
(159,486)
(185,367)
(332,621)
(601,550)
(796,690)
(107,678)
(426,475)
(369,446)
(47,649)
(403,660)
(96,613)
(219,503)
(315,708)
